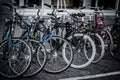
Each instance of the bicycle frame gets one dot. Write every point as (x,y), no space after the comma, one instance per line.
(8,35)
(99,23)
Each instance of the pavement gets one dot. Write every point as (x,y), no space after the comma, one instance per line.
(106,69)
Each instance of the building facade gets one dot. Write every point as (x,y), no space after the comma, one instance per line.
(106,4)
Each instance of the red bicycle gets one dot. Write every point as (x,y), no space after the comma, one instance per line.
(98,24)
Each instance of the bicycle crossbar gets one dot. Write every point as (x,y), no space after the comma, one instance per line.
(93,76)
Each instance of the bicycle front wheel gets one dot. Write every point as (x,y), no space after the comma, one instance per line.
(79,41)
(108,41)
(38,58)
(16,57)
(116,47)
(58,49)
(100,49)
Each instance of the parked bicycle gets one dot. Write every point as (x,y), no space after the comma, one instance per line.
(16,52)
(116,36)
(102,29)
(58,49)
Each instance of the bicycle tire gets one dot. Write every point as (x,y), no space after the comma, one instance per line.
(100,48)
(38,58)
(12,59)
(81,61)
(115,52)
(108,41)
(58,48)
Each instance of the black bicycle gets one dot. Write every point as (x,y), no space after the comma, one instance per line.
(116,36)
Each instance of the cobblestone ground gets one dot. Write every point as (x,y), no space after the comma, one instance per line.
(104,66)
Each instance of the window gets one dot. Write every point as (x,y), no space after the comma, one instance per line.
(32,2)
(93,3)
(29,3)
(107,4)
(70,3)
(77,3)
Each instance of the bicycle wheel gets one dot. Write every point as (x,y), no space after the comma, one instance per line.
(58,49)
(38,58)
(108,41)
(116,47)
(100,49)
(78,42)
(16,57)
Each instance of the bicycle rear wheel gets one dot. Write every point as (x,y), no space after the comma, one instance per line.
(16,57)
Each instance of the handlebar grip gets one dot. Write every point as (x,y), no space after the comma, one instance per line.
(118,11)
(7,4)
(83,7)
(49,14)
(60,10)
(47,5)
(96,9)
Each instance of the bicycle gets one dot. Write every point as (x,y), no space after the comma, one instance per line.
(56,47)
(16,52)
(78,40)
(38,50)
(116,37)
(87,29)
(102,29)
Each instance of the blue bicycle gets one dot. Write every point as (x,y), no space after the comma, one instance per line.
(16,53)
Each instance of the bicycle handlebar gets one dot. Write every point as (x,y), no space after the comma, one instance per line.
(6,4)
(60,10)
(9,5)
(98,8)
(47,5)
(82,7)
